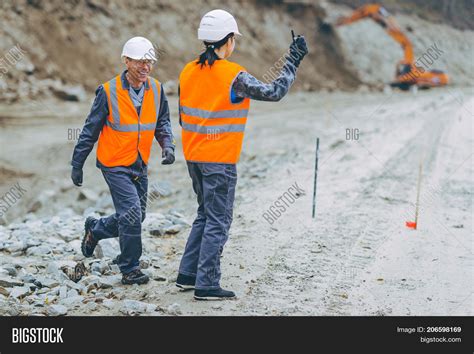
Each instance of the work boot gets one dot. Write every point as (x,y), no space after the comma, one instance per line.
(88,242)
(185,282)
(214,294)
(135,277)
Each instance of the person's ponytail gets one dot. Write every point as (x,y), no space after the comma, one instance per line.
(209,56)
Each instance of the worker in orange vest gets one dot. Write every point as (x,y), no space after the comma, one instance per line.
(214,102)
(128,112)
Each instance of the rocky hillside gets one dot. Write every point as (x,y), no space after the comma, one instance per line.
(68,47)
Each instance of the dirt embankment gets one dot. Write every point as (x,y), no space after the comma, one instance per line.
(68,46)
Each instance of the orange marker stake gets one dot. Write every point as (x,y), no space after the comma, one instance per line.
(411,224)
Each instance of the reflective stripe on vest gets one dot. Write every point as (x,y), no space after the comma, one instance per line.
(213,129)
(126,133)
(231,113)
(212,126)
(130,127)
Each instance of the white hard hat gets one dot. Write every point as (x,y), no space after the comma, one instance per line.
(217,24)
(139,48)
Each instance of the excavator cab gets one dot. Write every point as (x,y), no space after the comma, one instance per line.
(408,74)
(405,76)
(403,69)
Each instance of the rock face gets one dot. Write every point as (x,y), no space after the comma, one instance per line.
(79,56)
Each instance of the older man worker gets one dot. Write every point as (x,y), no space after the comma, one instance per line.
(128,112)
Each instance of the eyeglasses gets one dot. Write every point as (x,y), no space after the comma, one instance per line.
(143,62)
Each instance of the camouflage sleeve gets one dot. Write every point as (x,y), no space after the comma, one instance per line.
(247,86)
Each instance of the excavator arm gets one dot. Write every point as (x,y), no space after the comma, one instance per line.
(365,11)
(383,18)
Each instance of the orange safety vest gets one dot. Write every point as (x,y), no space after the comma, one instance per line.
(125,133)
(212,126)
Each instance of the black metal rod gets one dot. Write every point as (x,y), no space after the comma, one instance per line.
(315,177)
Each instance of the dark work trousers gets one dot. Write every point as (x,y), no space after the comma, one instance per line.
(128,187)
(214,184)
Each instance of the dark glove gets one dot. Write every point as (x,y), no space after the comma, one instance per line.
(298,49)
(76,176)
(168,154)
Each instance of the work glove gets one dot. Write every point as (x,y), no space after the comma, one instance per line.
(168,154)
(76,176)
(298,49)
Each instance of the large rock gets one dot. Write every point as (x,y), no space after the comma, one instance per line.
(92,282)
(10,282)
(4,291)
(63,292)
(173,229)
(110,304)
(54,271)
(134,307)
(20,292)
(80,288)
(70,93)
(73,301)
(25,65)
(114,279)
(90,306)
(110,248)
(7,308)
(105,284)
(171,88)
(47,282)
(179,221)
(15,247)
(105,201)
(174,309)
(56,310)
(72,293)
(159,190)
(157,231)
(68,235)
(11,270)
(41,200)
(87,194)
(39,251)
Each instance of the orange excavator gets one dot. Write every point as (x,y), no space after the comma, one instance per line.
(407,73)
